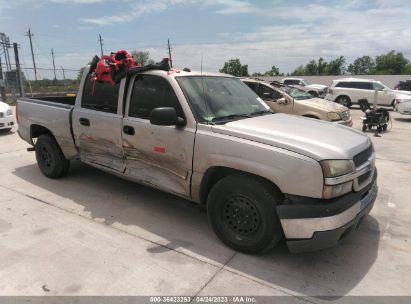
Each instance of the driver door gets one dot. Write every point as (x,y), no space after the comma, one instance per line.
(160,156)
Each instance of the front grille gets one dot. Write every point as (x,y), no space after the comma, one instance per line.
(345,115)
(364,177)
(362,157)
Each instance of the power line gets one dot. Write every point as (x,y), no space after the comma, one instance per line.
(29,34)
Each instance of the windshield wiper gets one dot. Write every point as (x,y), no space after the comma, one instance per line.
(263,112)
(230,117)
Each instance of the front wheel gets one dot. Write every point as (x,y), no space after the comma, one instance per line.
(50,159)
(242,212)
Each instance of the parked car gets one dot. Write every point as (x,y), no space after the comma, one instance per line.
(403,107)
(6,117)
(209,139)
(348,91)
(403,85)
(291,100)
(316,90)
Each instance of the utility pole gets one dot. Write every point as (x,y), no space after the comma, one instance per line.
(54,66)
(30,34)
(101,43)
(2,85)
(18,71)
(64,74)
(169,52)
(5,42)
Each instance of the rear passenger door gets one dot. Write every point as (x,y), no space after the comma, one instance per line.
(160,156)
(97,121)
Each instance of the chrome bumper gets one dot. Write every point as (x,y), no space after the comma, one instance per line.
(304,228)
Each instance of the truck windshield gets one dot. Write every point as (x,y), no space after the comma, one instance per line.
(221,99)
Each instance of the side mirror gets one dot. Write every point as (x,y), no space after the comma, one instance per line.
(166,116)
(282,101)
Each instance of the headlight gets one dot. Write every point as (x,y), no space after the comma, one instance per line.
(336,190)
(1,115)
(333,168)
(333,116)
(9,112)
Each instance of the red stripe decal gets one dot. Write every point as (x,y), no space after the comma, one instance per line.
(159,149)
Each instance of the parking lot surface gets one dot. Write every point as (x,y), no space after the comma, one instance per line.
(91,233)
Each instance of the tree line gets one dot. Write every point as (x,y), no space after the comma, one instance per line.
(391,63)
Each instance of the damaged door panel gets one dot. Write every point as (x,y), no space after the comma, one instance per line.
(97,126)
(157,155)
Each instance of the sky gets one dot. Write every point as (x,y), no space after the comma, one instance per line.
(260,33)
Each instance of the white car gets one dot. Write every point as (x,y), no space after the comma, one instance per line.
(6,117)
(316,90)
(348,91)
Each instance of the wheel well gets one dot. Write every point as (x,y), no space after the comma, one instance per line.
(214,174)
(343,96)
(37,130)
(311,116)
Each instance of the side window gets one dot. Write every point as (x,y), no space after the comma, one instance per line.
(364,85)
(277,95)
(265,92)
(151,92)
(100,96)
(377,86)
(292,82)
(252,85)
(342,84)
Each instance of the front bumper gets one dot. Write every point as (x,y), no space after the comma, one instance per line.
(347,122)
(7,122)
(317,225)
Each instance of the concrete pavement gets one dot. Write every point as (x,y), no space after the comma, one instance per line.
(91,233)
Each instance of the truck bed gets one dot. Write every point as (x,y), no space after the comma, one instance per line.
(52,113)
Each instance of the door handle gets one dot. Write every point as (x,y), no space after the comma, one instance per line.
(84,121)
(128,130)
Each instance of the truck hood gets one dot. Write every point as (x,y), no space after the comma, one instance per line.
(401,92)
(316,86)
(402,95)
(310,137)
(322,104)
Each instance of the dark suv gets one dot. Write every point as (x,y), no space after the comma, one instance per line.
(404,85)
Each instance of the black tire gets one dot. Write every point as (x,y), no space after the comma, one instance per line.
(364,128)
(50,159)
(313,93)
(384,127)
(379,129)
(344,100)
(251,202)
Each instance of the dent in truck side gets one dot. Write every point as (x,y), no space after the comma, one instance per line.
(160,156)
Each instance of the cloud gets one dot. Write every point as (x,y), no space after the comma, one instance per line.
(147,7)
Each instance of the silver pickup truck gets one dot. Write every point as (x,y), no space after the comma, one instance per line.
(210,139)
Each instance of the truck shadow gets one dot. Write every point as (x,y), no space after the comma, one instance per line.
(171,223)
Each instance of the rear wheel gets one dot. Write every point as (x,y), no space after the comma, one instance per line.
(364,128)
(344,100)
(242,212)
(50,159)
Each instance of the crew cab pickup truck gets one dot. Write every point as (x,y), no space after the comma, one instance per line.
(210,139)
